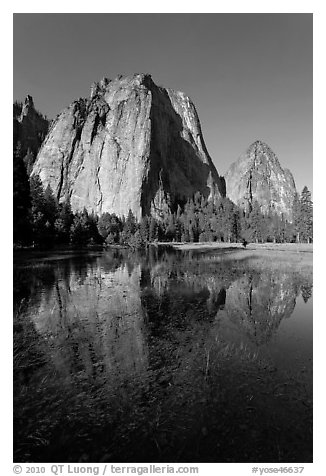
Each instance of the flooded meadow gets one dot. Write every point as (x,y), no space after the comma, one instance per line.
(168,356)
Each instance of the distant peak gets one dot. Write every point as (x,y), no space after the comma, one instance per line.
(28,107)
(259,143)
(260,146)
(29,101)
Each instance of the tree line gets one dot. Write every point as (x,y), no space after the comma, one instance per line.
(40,220)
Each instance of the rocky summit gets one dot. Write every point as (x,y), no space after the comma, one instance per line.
(130,145)
(257,176)
(29,127)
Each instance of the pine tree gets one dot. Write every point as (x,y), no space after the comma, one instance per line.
(190,222)
(255,221)
(38,218)
(235,225)
(153,229)
(21,199)
(216,225)
(63,222)
(230,221)
(92,227)
(170,229)
(191,233)
(29,160)
(144,229)
(130,225)
(78,233)
(51,206)
(296,216)
(306,216)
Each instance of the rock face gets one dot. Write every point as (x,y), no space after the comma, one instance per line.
(131,145)
(29,128)
(258,176)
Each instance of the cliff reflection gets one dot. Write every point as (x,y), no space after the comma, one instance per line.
(131,356)
(257,303)
(93,319)
(99,314)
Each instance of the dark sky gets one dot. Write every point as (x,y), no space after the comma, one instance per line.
(249,75)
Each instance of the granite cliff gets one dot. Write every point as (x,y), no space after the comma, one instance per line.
(130,145)
(29,130)
(258,176)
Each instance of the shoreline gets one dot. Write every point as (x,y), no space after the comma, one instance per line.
(292,257)
(290,247)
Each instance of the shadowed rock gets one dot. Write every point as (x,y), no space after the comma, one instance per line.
(29,128)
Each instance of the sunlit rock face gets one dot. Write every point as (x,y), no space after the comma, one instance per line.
(256,304)
(130,145)
(258,176)
(95,322)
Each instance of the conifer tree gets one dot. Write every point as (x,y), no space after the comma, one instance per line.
(306,216)
(144,229)
(63,222)
(38,217)
(51,206)
(255,221)
(21,199)
(130,225)
(170,228)
(306,291)
(153,229)
(296,216)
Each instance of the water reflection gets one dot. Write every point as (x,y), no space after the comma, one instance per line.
(94,319)
(99,312)
(115,318)
(257,303)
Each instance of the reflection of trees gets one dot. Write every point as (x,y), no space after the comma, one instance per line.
(28,283)
(219,302)
(257,303)
(306,291)
(178,303)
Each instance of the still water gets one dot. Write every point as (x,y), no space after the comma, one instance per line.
(170,356)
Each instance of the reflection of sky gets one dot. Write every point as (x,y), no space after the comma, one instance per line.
(292,345)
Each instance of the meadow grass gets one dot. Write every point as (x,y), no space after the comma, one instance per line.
(295,257)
